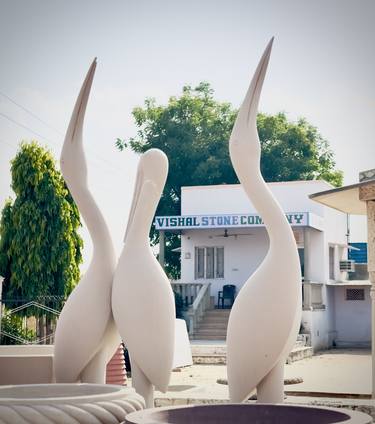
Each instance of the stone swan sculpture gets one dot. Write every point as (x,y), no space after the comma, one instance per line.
(86,336)
(265,317)
(142,298)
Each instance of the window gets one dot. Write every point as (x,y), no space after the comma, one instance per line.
(331,263)
(355,294)
(199,262)
(301,254)
(209,262)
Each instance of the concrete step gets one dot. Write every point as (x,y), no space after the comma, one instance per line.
(299,343)
(213,324)
(299,353)
(213,318)
(213,329)
(208,337)
(210,332)
(211,353)
(222,312)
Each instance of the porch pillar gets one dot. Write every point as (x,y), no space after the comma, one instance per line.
(306,254)
(371,271)
(367,193)
(161,248)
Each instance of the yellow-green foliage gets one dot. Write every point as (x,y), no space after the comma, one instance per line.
(40,249)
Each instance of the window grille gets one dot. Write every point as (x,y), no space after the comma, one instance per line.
(355,294)
(220,262)
(199,262)
(210,265)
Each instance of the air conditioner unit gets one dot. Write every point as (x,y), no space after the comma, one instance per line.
(347,266)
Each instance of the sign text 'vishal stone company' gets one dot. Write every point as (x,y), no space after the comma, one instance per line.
(222,221)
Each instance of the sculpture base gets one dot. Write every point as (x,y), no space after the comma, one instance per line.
(247,414)
(82,403)
(26,364)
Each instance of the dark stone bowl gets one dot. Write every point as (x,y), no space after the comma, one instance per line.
(247,414)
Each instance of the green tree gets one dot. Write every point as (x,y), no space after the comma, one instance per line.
(40,249)
(294,151)
(193,130)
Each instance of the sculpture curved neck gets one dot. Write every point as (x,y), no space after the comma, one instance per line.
(141,221)
(264,202)
(94,220)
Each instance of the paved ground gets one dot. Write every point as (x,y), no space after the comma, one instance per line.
(335,371)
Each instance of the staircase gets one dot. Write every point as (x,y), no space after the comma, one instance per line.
(213,325)
(208,344)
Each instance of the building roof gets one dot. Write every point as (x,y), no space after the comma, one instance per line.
(346,199)
(216,186)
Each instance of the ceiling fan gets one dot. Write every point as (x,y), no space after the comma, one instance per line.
(232,235)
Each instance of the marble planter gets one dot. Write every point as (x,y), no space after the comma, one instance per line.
(67,403)
(247,414)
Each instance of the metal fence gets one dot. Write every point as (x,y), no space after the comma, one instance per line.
(29,321)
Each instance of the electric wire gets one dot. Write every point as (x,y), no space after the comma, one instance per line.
(98,158)
(30,113)
(27,128)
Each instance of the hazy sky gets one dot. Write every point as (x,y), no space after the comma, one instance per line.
(322,68)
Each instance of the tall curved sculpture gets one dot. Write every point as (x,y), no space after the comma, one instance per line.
(266,314)
(142,298)
(86,336)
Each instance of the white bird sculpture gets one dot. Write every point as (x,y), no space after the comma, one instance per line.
(265,317)
(86,337)
(142,298)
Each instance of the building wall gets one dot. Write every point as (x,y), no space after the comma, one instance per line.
(316,252)
(242,255)
(316,324)
(339,319)
(352,318)
(335,227)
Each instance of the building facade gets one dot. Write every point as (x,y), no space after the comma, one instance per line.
(224,240)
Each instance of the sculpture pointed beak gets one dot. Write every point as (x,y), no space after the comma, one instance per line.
(76,121)
(249,108)
(72,158)
(137,190)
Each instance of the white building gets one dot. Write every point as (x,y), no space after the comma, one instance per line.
(223,241)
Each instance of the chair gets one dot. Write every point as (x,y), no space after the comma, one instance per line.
(228,293)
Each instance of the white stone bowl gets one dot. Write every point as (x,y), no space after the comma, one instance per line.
(67,404)
(247,414)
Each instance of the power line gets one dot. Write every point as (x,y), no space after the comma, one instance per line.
(98,158)
(27,128)
(30,113)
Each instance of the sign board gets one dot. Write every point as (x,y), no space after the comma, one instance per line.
(223,221)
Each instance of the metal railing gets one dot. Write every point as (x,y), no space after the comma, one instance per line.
(29,321)
(187,291)
(198,308)
(196,298)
